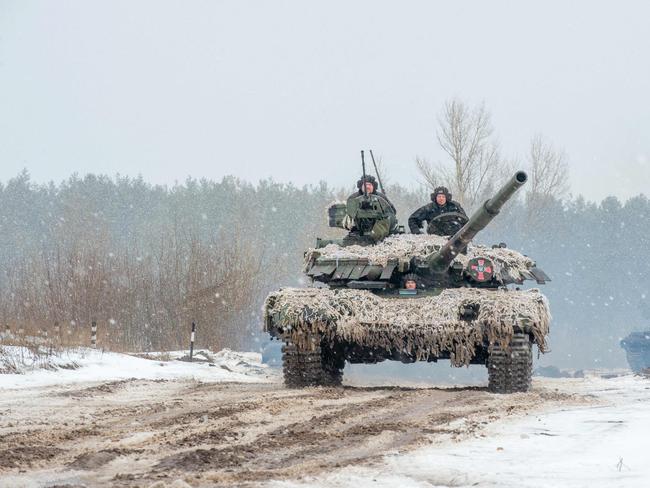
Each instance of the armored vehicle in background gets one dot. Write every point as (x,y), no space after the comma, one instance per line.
(637,349)
(414,298)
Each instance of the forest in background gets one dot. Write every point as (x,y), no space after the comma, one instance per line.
(145,261)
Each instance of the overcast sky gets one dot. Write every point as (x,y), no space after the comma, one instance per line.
(294,89)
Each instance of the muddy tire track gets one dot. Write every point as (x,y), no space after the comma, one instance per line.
(135,433)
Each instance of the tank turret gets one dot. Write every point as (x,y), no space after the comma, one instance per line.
(438,262)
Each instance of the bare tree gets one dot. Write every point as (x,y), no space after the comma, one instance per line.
(466,135)
(548,174)
(431,174)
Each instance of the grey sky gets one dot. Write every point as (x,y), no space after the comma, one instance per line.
(293,89)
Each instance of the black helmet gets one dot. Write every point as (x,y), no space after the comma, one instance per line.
(441,190)
(369,179)
(410,277)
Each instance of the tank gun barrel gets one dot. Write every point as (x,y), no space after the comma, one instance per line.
(477,222)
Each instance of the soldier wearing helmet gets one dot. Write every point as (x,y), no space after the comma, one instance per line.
(370,183)
(443,216)
(410,281)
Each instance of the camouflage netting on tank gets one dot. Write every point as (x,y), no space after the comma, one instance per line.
(424,326)
(407,246)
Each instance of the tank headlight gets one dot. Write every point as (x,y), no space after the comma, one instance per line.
(480,269)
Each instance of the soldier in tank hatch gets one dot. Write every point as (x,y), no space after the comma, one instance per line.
(369,212)
(410,281)
(443,216)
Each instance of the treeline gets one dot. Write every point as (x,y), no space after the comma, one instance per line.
(144,261)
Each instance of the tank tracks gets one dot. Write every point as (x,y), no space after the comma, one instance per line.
(317,366)
(511,369)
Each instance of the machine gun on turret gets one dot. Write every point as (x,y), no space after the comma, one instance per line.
(369,216)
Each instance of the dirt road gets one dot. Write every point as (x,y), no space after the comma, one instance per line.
(143,433)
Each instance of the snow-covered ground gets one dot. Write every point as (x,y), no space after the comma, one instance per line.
(598,443)
(82,365)
(603,445)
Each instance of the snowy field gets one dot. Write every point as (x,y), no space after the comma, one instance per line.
(108,419)
(81,365)
(603,445)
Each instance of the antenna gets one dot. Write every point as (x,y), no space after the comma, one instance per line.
(381,185)
(363,167)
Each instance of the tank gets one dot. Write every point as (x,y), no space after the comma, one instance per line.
(414,298)
(637,349)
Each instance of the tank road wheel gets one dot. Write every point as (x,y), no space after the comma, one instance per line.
(511,370)
(319,366)
(636,360)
